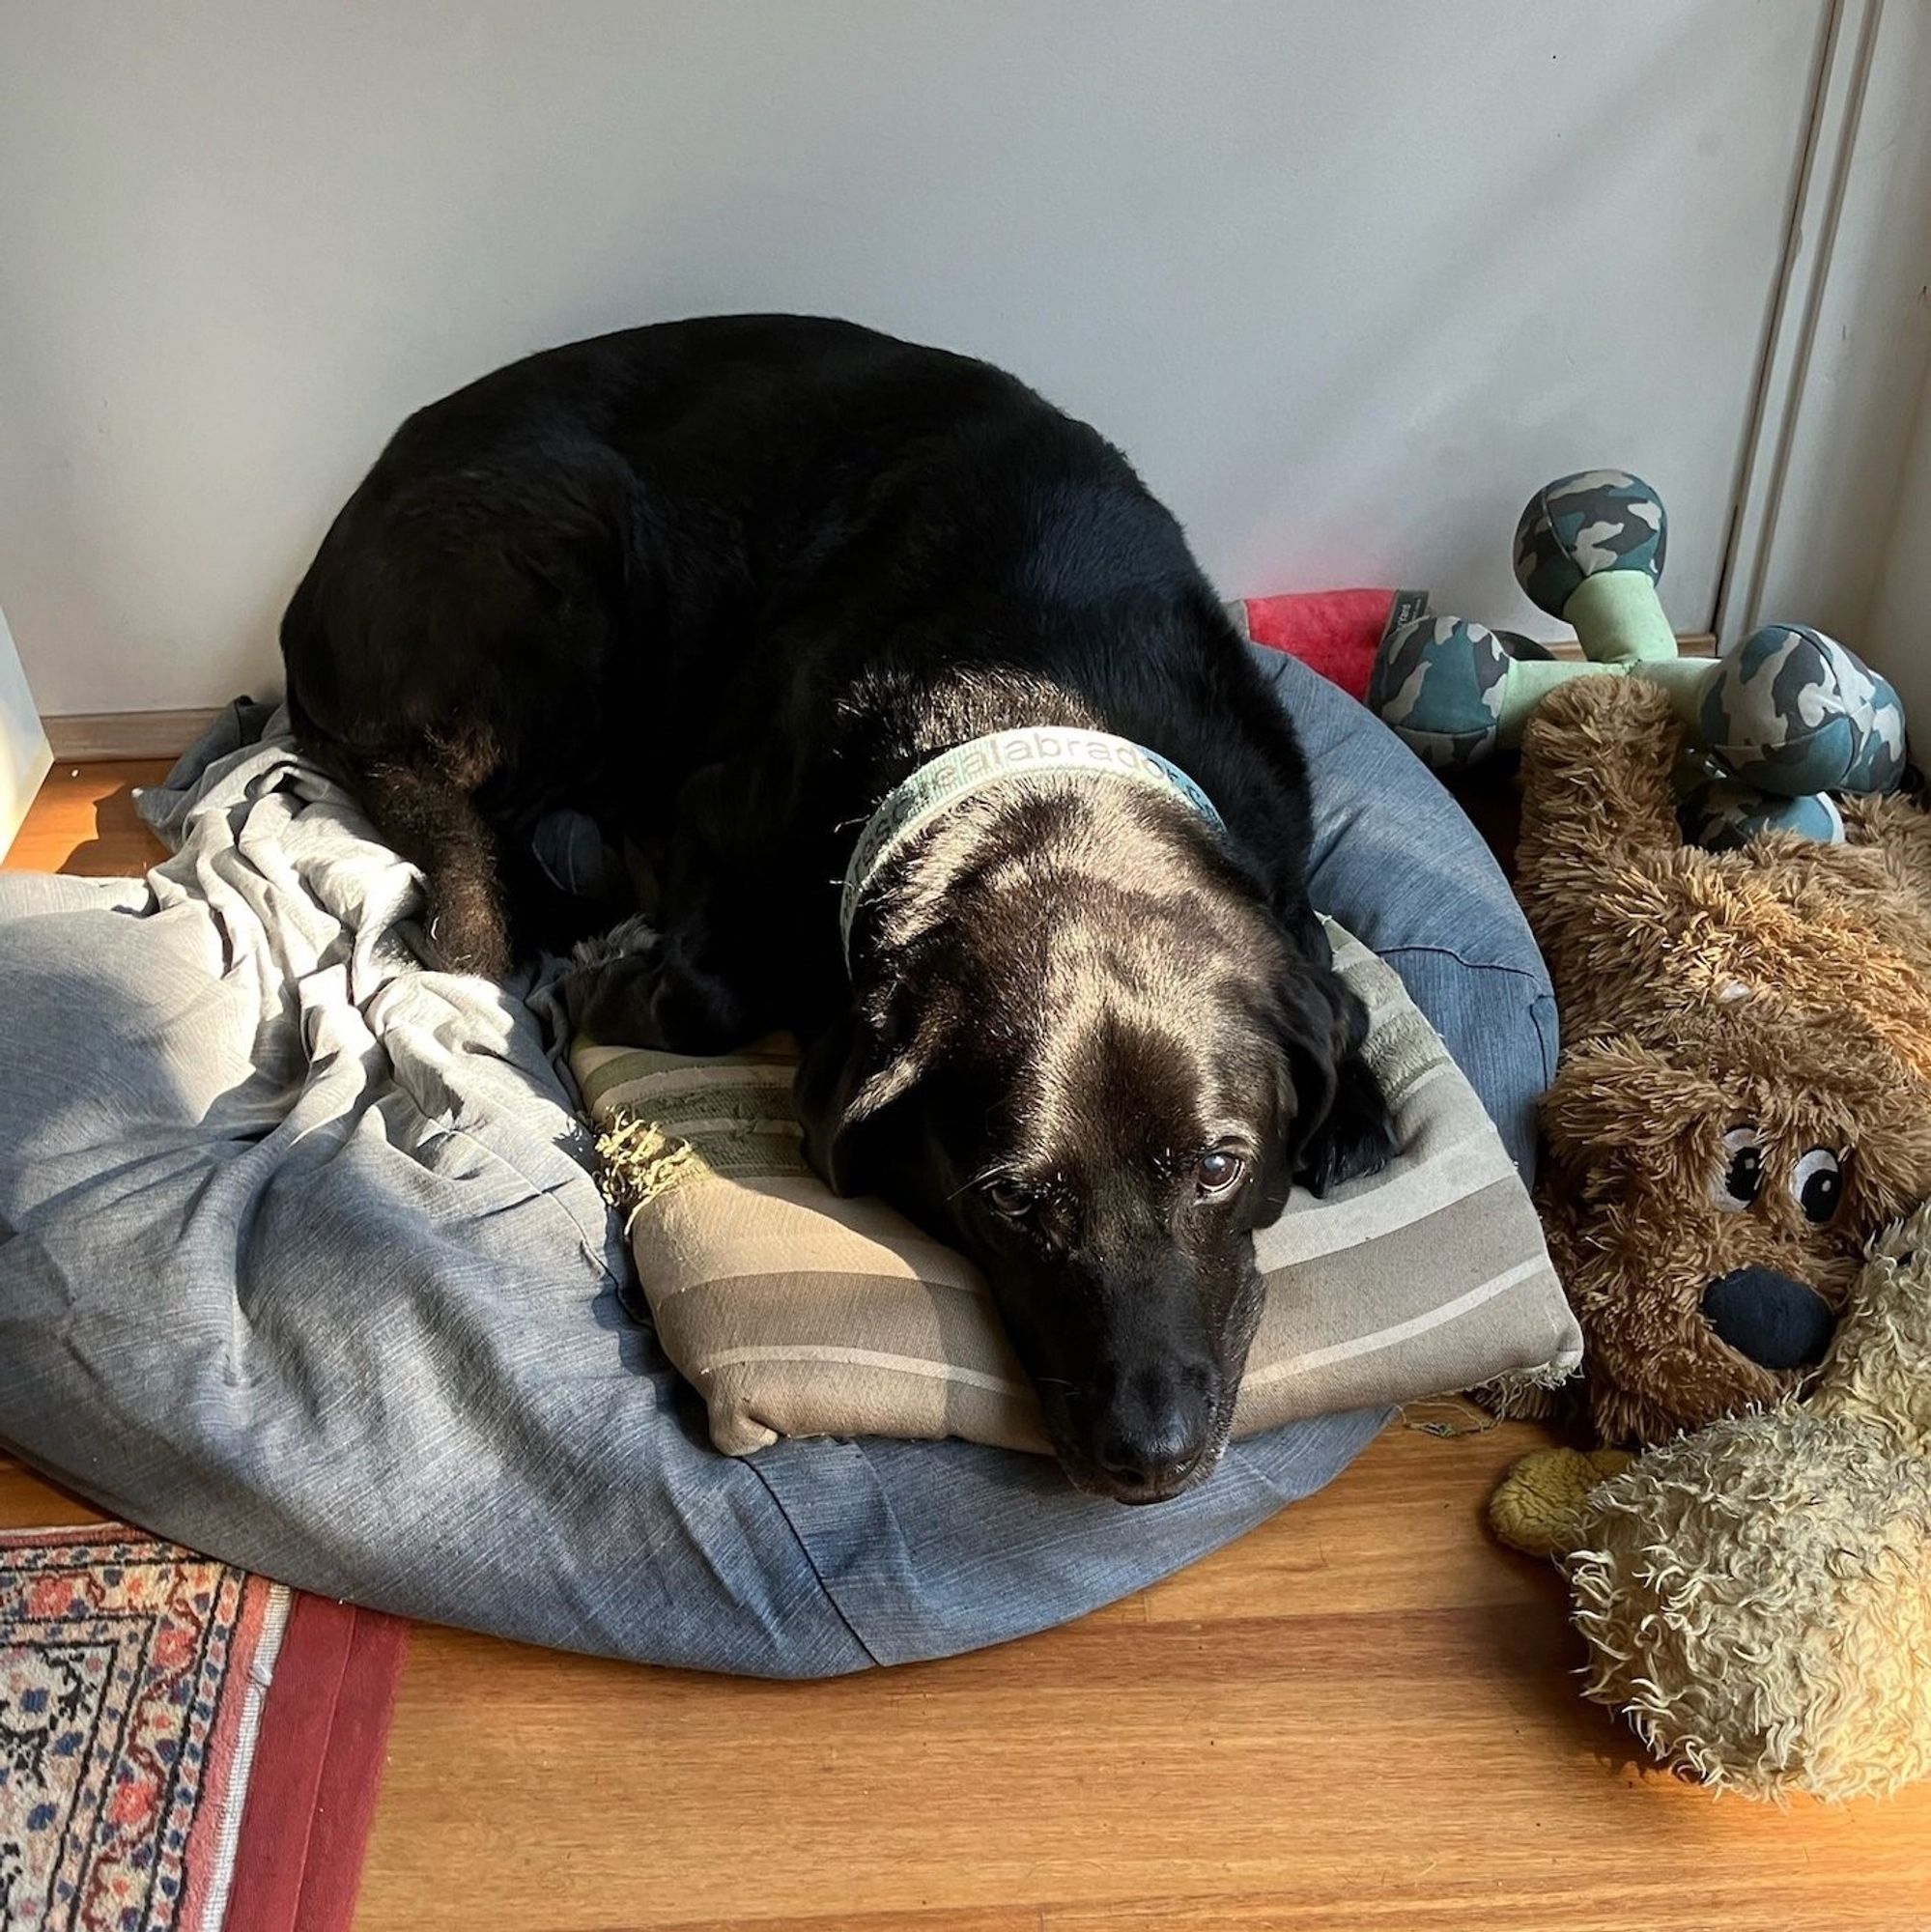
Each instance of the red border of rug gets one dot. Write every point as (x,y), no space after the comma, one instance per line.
(223,1752)
(318,1769)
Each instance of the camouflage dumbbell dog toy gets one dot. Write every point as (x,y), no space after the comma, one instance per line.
(1783,721)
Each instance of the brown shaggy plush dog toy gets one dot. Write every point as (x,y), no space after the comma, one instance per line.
(1743,1099)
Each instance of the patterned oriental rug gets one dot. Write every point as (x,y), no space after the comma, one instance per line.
(184,1747)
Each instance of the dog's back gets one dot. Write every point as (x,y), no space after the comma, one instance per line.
(547,579)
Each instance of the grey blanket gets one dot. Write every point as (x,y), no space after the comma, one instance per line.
(302,1264)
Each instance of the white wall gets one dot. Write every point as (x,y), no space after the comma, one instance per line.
(1347,278)
(1861,365)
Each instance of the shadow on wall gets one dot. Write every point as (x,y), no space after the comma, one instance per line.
(1900,624)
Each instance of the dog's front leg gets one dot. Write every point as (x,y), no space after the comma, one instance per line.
(639,987)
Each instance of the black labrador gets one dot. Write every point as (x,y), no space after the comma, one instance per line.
(725,585)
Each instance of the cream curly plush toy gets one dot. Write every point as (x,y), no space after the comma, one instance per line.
(1757,1596)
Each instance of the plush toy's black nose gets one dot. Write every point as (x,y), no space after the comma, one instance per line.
(1778,1323)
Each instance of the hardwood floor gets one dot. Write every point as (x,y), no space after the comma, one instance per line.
(84,822)
(1359,1719)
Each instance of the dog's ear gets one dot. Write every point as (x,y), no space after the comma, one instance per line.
(849,1078)
(1339,1127)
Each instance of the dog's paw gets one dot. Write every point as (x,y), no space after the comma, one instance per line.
(1356,1139)
(633,937)
(610,989)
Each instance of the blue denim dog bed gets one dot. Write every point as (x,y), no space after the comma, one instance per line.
(300,1263)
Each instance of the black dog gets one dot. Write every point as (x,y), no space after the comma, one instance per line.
(724,585)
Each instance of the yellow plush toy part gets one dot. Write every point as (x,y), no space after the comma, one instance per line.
(1537,1506)
(1756,1596)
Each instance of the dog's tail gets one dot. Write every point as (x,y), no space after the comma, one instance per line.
(426,809)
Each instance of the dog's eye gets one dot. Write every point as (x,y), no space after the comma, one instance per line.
(1740,1180)
(1218,1170)
(1818,1184)
(1009,1197)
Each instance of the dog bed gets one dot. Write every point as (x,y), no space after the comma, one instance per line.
(302,1263)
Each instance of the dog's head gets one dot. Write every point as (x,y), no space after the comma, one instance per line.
(1083,1052)
(1711,1185)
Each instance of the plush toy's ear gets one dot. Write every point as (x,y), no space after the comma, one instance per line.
(1614,1098)
(851,1074)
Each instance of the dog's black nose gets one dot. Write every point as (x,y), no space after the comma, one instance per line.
(1151,1447)
(1152,1463)
(1778,1323)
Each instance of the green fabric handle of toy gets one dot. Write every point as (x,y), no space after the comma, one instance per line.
(1686,680)
(1618,616)
(1530,681)
(1527,682)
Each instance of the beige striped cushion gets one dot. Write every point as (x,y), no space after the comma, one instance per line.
(794,1312)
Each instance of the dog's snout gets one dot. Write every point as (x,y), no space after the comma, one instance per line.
(1154,1435)
(1156,1460)
(1778,1323)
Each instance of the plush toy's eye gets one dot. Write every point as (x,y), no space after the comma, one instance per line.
(1818,1184)
(1740,1180)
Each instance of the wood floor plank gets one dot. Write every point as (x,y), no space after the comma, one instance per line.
(1002,1919)
(1804,1900)
(1361,1717)
(83,822)
(26,1502)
